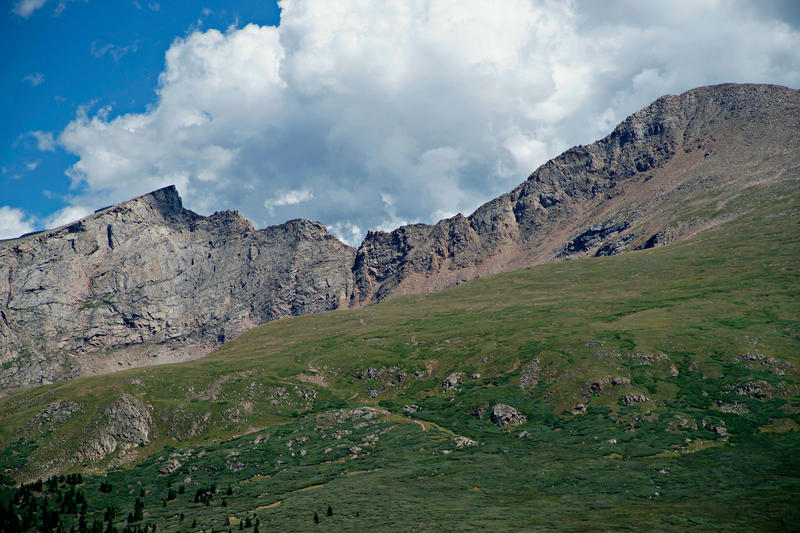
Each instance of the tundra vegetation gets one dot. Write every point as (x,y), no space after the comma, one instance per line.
(656,389)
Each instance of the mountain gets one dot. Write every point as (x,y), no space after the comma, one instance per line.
(148,282)
(654,390)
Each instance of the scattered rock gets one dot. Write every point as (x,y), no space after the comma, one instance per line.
(504,415)
(476,376)
(529,377)
(453,381)
(411,408)
(673,371)
(464,441)
(619,380)
(759,389)
(579,409)
(355,450)
(169,467)
(523,435)
(306,394)
(51,417)
(629,399)
(480,411)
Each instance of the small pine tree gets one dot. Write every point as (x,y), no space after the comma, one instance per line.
(180,519)
(241,525)
(194,523)
(316,518)
(255,529)
(229,492)
(224,502)
(330,511)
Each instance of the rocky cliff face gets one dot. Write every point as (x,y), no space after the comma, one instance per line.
(147,281)
(623,192)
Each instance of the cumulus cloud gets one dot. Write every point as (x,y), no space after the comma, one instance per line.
(35,79)
(401,112)
(13,222)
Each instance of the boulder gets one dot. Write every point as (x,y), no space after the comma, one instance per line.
(504,415)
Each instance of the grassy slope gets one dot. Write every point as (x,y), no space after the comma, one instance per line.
(692,307)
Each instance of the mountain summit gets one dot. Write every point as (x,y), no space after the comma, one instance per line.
(147,281)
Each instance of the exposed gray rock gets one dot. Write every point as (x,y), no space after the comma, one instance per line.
(51,417)
(153,282)
(462,441)
(629,399)
(453,381)
(169,467)
(529,377)
(126,421)
(504,415)
(594,235)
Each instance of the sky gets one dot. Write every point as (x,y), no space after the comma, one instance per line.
(361,114)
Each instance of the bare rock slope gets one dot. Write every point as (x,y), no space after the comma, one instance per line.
(147,281)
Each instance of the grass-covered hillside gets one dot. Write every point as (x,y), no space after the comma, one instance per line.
(654,390)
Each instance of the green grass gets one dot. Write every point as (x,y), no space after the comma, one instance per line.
(677,321)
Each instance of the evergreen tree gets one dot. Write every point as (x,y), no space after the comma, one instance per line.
(316,518)
(330,511)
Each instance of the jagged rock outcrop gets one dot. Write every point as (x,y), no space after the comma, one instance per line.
(504,415)
(127,421)
(148,281)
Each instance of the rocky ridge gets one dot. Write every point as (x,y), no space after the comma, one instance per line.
(147,281)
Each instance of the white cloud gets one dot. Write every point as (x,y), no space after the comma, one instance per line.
(13,222)
(25,8)
(44,140)
(116,52)
(35,79)
(62,5)
(408,111)
(66,215)
(288,198)
(32,165)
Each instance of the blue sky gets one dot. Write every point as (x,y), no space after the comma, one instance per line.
(93,54)
(363,115)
